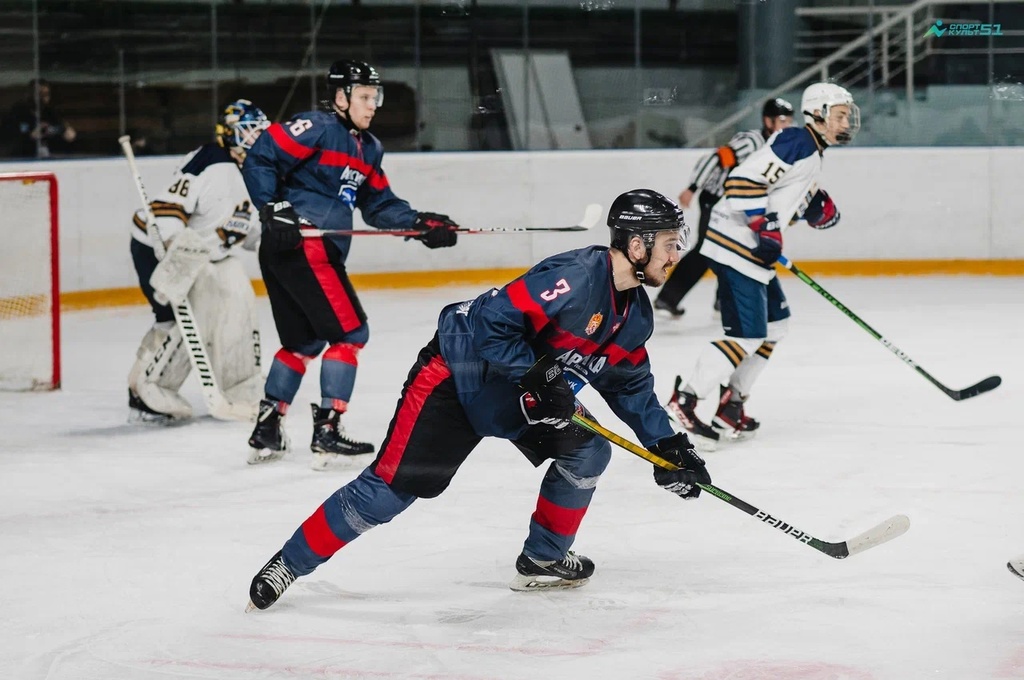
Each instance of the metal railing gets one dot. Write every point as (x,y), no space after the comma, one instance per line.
(891,48)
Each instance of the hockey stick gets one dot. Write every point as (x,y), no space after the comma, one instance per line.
(591,217)
(891,528)
(151,229)
(985,385)
(218,406)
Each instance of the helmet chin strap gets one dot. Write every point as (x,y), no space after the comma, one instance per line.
(343,114)
(640,265)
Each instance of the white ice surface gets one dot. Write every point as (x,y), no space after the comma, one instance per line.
(126,552)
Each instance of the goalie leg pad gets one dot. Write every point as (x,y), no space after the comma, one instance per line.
(161,366)
(225,308)
(176,273)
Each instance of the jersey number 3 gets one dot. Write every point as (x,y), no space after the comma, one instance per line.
(561,286)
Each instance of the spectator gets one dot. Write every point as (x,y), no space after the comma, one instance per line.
(28,135)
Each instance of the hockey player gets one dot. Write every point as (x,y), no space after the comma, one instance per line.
(495,369)
(772,189)
(313,172)
(709,177)
(206,195)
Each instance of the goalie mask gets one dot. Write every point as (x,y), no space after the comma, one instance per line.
(240,125)
(644,213)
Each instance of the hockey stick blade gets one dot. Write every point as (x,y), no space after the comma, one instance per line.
(986,385)
(894,527)
(591,216)
(886,531)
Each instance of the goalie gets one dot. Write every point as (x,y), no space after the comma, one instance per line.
(201,217)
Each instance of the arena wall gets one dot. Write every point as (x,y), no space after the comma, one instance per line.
(904,211)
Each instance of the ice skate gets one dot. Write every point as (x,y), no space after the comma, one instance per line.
(681,408)
(268,441)
(1016,567)
(572,571)
(268,585)
(330,439)
(667,311)
(731,422)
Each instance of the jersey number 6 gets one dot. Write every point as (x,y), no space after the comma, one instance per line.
(299,126)
(561,286)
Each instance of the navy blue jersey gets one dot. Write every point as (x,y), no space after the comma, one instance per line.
(325,171)
(563,307)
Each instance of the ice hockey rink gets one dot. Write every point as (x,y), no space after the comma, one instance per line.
(127,551)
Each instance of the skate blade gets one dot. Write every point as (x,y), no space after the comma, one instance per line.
(258,456)
(525,584)
(1016,568)
(732,436)
(322,460)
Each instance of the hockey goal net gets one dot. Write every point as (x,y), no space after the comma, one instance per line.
(29,288)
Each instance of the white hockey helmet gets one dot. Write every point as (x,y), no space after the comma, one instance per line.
(817,102)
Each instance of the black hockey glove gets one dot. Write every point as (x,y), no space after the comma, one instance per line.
(821,212)
(769,238)
(547,398)
(678,450)
(438,230)
(280,227)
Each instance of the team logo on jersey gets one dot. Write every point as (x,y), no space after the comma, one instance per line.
(351,180)
(594,323)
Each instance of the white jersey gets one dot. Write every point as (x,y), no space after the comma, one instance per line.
(710,172)
(205,192)
(780,178)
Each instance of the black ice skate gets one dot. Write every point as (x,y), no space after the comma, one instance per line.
(330,439)
(268,585)
(1016,567)
(666,310)
(682,408)
(731,421)
(572,571)
(141,413)
(268,440)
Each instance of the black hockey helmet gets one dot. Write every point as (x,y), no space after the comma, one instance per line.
(773,108)
(347,73)
(644,213)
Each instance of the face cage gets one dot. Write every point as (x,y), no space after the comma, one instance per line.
(245,128)
(844,138)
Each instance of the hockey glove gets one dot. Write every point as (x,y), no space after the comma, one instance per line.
(769,238)
(438,230)
(821,212)
(280,227)
(547,398)
(678,450)
(235,229)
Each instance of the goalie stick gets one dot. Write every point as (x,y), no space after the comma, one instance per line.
(974,390)
(591,216)
(217,404)
(891,528)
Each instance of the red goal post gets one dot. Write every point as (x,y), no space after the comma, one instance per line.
(29,282)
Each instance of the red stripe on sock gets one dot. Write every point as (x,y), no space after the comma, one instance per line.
(429,377)
(293,361)
(344,352)
(556,519)
(319,536)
